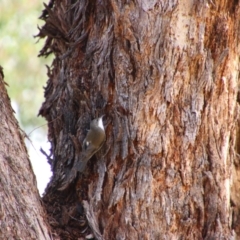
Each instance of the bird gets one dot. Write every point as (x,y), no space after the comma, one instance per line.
(92,143)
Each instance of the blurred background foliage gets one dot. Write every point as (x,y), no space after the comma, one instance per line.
(25,74)
(24,71)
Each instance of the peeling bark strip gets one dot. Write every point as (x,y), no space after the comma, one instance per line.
(21,213)
(165,73)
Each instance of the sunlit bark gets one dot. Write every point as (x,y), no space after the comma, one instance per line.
(165,74)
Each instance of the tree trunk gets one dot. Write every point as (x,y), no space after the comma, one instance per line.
(21,212)
(165,74)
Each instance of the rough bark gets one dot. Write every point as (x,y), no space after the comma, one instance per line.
(21,212)
(165,74)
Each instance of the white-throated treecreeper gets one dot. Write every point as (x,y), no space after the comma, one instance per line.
(91,144)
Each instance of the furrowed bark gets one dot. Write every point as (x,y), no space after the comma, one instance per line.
(165,74)
(21,212)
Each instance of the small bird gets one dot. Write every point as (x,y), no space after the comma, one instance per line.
(91,144)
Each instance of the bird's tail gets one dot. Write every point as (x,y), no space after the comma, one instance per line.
(79,166)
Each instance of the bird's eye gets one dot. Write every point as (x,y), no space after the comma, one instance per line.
(85,145)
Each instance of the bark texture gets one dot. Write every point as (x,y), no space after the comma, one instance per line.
(21,212)
(165,73)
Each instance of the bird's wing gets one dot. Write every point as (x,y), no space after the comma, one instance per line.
(79,166)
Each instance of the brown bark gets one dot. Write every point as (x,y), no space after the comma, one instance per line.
(21,212)
(165,73)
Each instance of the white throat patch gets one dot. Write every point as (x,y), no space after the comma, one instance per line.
(100,123)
